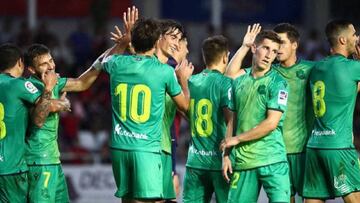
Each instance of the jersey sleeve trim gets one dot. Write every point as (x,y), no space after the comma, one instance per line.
(281,110)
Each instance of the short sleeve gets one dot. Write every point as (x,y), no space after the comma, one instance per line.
(354,70)
(226,99)
(172,86)
(108,63)
(26,90)
(61,83)
(278,96)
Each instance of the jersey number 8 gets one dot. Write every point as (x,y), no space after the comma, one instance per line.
(138,91)
(202,113)
(2,123)
(318,99)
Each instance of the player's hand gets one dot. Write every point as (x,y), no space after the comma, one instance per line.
(184,70)
(49,78)
(251,34)
(356,55)
(229,142)
(226,168)
(129,18)
(65,102)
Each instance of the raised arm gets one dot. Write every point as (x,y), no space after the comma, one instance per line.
(42,106)
(183,73)
(122,41)
(234,67)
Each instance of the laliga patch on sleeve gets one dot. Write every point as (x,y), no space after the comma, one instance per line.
(283,97)
(30,87)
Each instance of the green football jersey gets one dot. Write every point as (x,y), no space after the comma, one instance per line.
(16,96)
(295,129)
(333,83)
(252,99)
(169,115)
(41,143)
(138,85)
(210,92)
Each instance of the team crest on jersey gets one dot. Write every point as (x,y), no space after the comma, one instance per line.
(261,89)
(300,74)
(283,97)
(30,87)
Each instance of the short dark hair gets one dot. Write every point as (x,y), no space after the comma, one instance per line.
(144,35)
(290,30)
(167,25)
(334,28)
(34,51)
(213,49)
(9,56)
(267,34)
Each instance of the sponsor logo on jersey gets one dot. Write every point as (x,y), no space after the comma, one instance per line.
(30,87)
(283,97)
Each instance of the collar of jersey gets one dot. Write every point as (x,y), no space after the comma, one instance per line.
(259,78)
(206,70)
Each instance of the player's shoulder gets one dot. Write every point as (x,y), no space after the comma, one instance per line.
(23,84)
(277,78)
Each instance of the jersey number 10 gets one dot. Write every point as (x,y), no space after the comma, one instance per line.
(318,99)
(200,114)
(2,123)
(136,92)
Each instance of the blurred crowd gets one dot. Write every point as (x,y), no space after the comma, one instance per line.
(84,132)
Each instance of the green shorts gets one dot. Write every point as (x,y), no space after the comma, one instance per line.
(14,188)
(137,174)
(168,185)
(47,183)
(296,172)
(331,173)
(245,185)
(200,184)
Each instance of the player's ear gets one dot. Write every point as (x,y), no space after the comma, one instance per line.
(294,45)
(253,48)
(342,40)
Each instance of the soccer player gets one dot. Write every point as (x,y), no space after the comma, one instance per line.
(139,84)
(169,43)
(332,165)
(16,96)
(209,115)
(295,128)
(46,178)
(260,98)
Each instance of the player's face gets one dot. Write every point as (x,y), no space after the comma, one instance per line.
(352,39)
(182,51)
(169,42)
(287,48)
(44,63)
(264,53)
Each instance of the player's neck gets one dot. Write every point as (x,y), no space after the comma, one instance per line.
(147,53)
(290,62)
(339,51)
(257,72)
(162,58)
(219,67)
(12,72)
